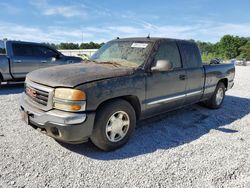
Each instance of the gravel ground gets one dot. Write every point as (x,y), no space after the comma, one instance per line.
(192,147)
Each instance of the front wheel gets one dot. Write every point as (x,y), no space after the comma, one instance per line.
(217,98)
(114,124)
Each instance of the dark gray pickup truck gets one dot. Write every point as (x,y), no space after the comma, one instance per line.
(126,80)
(17,58)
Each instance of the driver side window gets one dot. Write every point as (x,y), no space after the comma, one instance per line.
(41,51)
(169,51)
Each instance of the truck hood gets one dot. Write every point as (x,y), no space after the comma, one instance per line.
(74,74)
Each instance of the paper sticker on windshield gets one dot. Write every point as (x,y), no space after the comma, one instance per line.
(139,45)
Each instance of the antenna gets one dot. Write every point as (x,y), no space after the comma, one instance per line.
(148,36)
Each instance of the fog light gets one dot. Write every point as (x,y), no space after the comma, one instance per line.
(54,131)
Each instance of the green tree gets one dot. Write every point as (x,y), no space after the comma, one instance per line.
(67,46)
(207,57)
(206,47)
(245,51)
(229,46)
(52,45)
(209,51)
(90,45)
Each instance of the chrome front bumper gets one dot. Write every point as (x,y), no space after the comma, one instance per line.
(53,116)
(65,126)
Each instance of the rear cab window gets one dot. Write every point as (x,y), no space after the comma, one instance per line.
(190,54)
(169,51)
(2,48)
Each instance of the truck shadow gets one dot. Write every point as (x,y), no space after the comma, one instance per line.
(173,129)
(11,89)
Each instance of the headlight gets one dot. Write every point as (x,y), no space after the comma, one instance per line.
(69,99)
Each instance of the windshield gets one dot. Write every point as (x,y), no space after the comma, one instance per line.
(124,53)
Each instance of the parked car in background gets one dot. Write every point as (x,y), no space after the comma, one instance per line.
(125,81)
(18,58)
(240,62)
(83,56)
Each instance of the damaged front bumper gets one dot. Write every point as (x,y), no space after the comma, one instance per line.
(64,126)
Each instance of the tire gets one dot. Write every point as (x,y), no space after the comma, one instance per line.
(114,124)
(217,98)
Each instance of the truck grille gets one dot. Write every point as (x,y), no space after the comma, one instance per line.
(39,95)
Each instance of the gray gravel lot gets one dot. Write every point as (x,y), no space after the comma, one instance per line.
(192,147)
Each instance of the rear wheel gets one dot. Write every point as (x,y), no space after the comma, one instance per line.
(115,122)
(217,98)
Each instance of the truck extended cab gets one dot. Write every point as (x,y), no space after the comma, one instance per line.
(126,80)
(17,58)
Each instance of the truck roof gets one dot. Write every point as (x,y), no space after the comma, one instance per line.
(19,41)
(142,39)
(149,39)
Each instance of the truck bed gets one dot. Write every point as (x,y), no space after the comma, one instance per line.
(214,73)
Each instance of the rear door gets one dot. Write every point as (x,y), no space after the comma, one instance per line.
(23,60)
(166,90)
(195,72)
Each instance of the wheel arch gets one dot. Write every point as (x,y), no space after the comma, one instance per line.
(131,99)
(224,81)
(1,77)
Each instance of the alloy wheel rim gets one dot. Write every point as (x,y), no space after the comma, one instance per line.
(117,126)
(219,96)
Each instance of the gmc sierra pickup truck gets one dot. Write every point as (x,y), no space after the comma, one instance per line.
(126,80)
(18,58)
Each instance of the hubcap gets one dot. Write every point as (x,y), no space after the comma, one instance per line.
(219,96)
(117,126)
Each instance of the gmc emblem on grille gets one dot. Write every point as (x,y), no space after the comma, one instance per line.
(31,92)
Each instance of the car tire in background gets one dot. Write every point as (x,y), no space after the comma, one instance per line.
(114,124)
(217,98)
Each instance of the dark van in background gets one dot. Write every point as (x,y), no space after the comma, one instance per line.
(18,58)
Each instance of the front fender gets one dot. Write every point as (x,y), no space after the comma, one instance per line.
(99,91)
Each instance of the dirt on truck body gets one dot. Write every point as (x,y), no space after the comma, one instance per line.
(126,80)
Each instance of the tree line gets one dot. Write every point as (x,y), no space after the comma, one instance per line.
(71,45)
(229,47)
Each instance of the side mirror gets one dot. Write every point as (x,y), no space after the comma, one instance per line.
(162,66)
(53,59)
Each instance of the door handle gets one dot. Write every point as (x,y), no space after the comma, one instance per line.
(17,61)
(43,61)
(183,77)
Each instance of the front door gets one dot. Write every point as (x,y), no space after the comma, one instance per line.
(166,90)
(46,56)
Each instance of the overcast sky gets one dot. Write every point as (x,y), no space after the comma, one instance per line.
(102,20)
